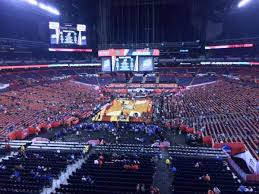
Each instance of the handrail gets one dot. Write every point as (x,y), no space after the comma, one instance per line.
(237,169)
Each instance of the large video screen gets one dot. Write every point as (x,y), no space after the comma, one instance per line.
(67,34)
(146,64)
(125,64)
(106,64)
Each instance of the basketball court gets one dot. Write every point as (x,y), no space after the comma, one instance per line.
(125,110)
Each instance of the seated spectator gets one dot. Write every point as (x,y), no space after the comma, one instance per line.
(86,149)
(154,159)
(242,188)
(46,177)
(135,166)
(142,188)
(210,191)
(245,189)
(138,188)
(216,190)
(41,169)
(71,158)
(198,165)
(22,148)
(168,162)
(154,190)
(22,151)
(2,167)
(250,189)
(32,173)
(173,170)
(19,167)
(131,167)
(206,178)
(78,134)
(102,142)
(96,162)
(87,179)
(101,160)
(16,175)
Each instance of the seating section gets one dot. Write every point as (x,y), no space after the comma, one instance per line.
(137,79)
(128,148)
(167,78)
(195,152)
(32,172)
(112,176)
(203,79)
(88,80)
(3,153)
(184,81)
(45,104)
(151,79)
(105,80)
(120,78)
(28,78)
(227,111)
(187,179)
(113,169)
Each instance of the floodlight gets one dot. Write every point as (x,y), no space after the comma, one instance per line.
(243,3)
(33,2)
(43,6)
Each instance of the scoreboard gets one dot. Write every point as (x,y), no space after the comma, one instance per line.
(67,34)
(128,60)
(124,64)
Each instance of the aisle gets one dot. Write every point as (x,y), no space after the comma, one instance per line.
(161,177)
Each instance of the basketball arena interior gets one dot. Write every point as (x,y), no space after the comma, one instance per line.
(129,96)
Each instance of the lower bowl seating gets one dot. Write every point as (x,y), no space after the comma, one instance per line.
(187,179)
(32,172)
(111,177)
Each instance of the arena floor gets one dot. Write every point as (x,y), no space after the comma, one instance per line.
(125,110)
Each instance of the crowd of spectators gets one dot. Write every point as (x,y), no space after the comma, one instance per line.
(46,103)
(136,132)
(228,112)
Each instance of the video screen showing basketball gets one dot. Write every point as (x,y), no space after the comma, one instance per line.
(125,110)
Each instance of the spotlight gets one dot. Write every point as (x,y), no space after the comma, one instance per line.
(43,6)
(243,3)
(33,2)
(49,9)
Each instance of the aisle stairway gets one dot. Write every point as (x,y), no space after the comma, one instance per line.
(131,80)
(162,178)
(157,79)
(144,79)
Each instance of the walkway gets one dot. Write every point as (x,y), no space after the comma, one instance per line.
(162,179)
